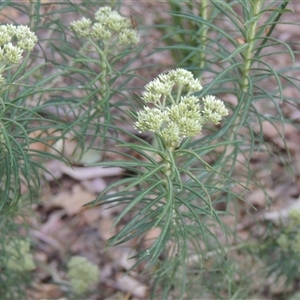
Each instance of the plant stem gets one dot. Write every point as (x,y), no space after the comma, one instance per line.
(168,161)
(104,67)
(250,39)
(203,38)
(244,87)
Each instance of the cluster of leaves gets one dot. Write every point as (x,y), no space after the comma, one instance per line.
(283,245)
(172,187)
(233,60)
(34,95)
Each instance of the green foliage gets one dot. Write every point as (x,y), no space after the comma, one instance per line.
(76,83)
(13,276)
(166,191)
(282,245)
(96,66)
(20,165)
(35,91)
(227,44)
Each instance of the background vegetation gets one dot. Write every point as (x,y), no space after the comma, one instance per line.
(83,192)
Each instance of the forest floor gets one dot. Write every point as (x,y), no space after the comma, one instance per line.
(61,227)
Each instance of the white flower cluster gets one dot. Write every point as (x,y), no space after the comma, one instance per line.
(289,240)
(175,118)
(164,83)
(82,274)
(107,24)
(214,109)
(20,258)
(10,51)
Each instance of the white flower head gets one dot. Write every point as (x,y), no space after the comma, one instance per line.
(181,117)
(150,119)
(116,22)
(181,76)
(100,31)
(109,25)
(26,38)
(164,77)
(81,27)
(152,93)
(5,35)
(171,135)
(189,127)
(176,118)
(128,37)
(188,107)
(160,86)
(11,29)
(102,14)
(82,273)
(191,106)
(19,258)
(149,97)
(25,41)
(214,109)
(12,54)
(194,86)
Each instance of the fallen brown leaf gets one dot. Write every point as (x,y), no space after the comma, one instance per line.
(73,201)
